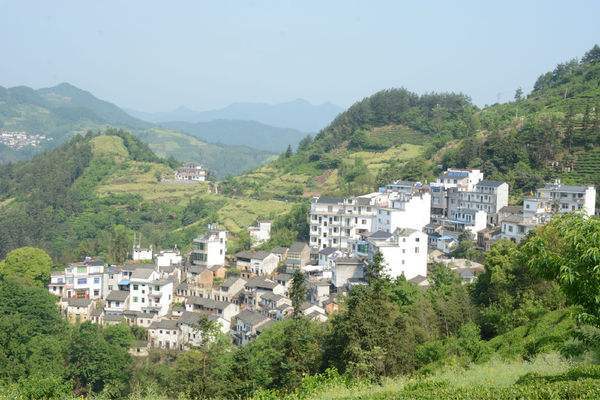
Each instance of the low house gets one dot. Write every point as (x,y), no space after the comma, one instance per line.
(347,269)
(117,301)
(200,275)
(169,257)
(328,255)
(275,306)
(314,312)
(517,227)
(256,263)
(298,255)
(319,291)
(247,326)
(280,252)
(218,271)
(229,290)
(190,172)
(255,288)
(139,348)
(420,280)
(210,306)
(261,232)
(77,310)
(284,280)
(164,334)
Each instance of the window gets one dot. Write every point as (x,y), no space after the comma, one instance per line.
(135,287)
(96,292)
(96,280)
(417,239)
(81,281)
(416,250)
(135,299)
(143,300)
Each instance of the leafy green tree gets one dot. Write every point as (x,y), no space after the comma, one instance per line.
(29,265)
(374,268)
(95,363)
(119,335)
(567,251)
(518,94)
(298,292)
(119,244)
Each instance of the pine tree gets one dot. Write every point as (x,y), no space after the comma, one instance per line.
(298,292)
(288,151)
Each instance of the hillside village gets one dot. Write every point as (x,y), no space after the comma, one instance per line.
(411,225)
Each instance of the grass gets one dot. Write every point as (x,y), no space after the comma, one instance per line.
(109,146)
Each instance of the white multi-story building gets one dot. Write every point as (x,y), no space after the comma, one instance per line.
(336,222)
(452,179)
(404,251)
(149,293)
(466,219)
(210,249)
(339,223)
(347,270)
(80,280)
(487,195)
(559,198)
(462,179)
(404,210)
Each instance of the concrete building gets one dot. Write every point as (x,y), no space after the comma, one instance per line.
(261,232)
(298,255)
(346,270)
(404,251)
(404,210)
(559,198)
(190,172)
(256,263)
(247,326)
(210,248)
(149,293)
(167,258)
(487,195)
(79,280)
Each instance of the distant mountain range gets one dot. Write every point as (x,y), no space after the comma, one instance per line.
(63,111)
(238,132)
(297,114)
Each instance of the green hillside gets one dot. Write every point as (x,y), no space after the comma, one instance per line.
(554,132)
(63,111)
(72,199)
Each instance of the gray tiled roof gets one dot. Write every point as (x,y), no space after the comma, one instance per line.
(170,324)
(73,302)
(141,273)
(207,303)
(489,183)
(117,295)
(251,318)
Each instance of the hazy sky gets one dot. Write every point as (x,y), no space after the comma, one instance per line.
(157,55)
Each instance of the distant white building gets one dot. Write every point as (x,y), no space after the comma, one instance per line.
(561,198)
(190,172)
(465,219)
(404,211)
(149,293)
(82,280)
(346,271)
(167,258)
(253,263)
(210,248)
(261,232)
(487,195)
(404,251)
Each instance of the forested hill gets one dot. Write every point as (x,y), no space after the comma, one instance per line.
(62,111)
(554,132)
(90,195)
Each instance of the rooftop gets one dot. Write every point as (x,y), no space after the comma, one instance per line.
(252,318)
(170,324)
(490,183)
(117,295)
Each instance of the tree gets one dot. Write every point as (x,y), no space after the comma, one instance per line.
(95,363)
(374,268)
(288,152)
(29,265)
(592,56)
(305,143)
(298,292)
(119,243)
(567,251)
(519,94)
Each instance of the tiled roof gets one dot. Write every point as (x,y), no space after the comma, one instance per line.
(251,318)
(117,295)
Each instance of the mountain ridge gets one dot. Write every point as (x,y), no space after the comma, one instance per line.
(296,114)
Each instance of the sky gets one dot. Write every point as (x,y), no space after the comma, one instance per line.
(158,55)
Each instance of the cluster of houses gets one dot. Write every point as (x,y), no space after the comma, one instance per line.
(171,295)
(190,173)
(410,224)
